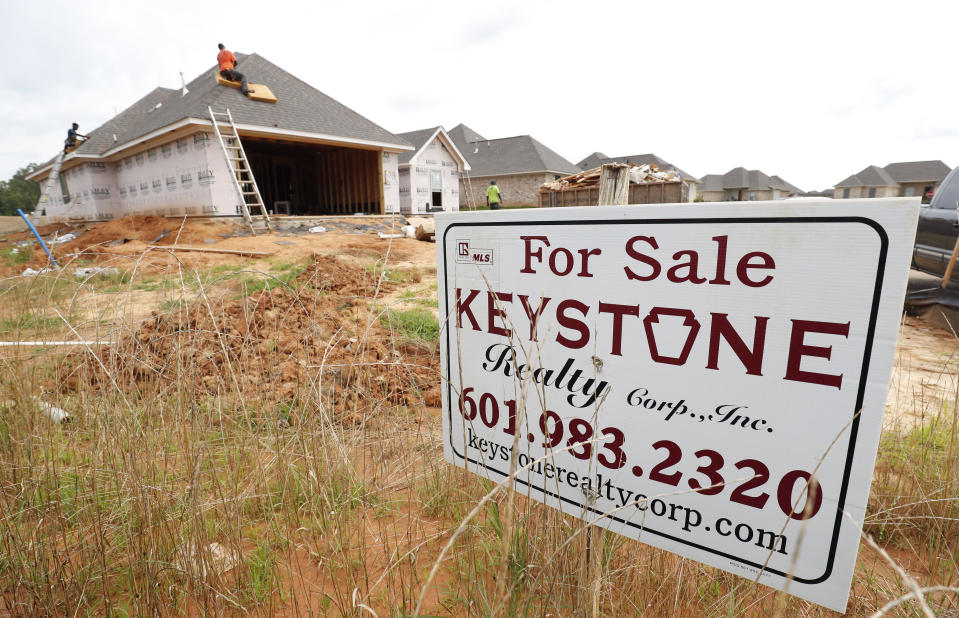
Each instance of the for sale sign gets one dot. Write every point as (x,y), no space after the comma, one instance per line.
(710,380)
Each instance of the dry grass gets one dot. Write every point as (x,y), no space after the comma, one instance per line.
(331,498)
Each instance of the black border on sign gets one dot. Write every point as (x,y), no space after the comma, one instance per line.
(854,430)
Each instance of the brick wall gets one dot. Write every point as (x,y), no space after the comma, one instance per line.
(516,190)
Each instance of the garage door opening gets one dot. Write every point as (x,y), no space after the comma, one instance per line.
(311,179)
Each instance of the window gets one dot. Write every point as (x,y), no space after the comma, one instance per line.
(872,191)
(752,196)
(845,194)
(909,192)
(436,188)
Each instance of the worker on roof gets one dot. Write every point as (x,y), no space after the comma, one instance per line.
(72,136)
(227,62)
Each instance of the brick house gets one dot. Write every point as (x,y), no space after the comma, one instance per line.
(904,179)
(309,154)
(519,165)
(742,185)
(597,158)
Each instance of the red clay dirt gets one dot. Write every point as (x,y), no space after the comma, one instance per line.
(276,343)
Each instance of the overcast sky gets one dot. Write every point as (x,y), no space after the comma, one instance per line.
(813,92)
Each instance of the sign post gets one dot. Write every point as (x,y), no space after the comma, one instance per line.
(710,380)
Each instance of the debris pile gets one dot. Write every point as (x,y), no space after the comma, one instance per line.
(320,335)
(638,174)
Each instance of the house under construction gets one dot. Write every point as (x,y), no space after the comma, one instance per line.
(309,154)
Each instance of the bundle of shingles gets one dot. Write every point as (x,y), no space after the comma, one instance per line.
(638,174)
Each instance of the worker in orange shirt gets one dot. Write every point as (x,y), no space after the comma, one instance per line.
(227,62)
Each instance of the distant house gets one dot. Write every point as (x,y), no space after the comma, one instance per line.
(905,179)
(742,185)
(309,154)
(430,174)
(597,158)
(519,165)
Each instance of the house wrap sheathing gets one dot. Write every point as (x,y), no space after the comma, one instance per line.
(430,174)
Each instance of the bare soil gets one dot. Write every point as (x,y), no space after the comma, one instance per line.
(924,375)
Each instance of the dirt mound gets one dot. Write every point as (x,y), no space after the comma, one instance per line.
(147,229)
(318,338)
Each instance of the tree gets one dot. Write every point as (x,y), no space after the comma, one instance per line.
(18,192)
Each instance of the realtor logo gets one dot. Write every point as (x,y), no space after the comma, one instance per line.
(473,255)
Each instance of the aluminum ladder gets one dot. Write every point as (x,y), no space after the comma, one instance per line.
(48,185)
(240,170)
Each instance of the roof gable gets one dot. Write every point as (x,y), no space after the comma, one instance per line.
(421,138)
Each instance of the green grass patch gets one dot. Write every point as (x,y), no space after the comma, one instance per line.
(29,322)
(262,579)
(417,324)
(16,256)
(394,275)
(284,275)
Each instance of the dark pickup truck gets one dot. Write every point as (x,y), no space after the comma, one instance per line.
(938,228)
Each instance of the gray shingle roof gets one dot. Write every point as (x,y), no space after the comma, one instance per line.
(597,158)
(299,107)
(736,178)
(711,182)
(121,125)
(871,176)
(786,186)
(463,135)
(918,171)
(741,178)
(511,155)
(594,160)
(417,139)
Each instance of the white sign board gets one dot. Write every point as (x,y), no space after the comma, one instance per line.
(679,373)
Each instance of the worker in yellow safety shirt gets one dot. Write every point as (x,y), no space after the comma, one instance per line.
(492,196)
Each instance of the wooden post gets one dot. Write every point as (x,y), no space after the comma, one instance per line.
(613,185)
(950,265)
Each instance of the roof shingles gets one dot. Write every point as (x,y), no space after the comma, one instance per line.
(299,107)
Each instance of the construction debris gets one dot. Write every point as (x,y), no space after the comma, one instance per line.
(31,272)
(209,250)
(55,414)
(57,240)
(638,174)
(647,185)
(425,227)
(89,271)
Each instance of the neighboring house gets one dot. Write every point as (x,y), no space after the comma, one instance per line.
(597,158)
(430,175)
(742,185)
(904,179)
(519,165)
(309,154)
